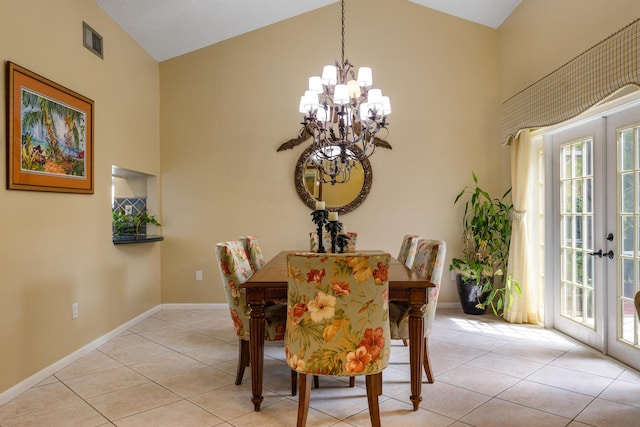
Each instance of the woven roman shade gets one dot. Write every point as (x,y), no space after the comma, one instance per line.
(576,86)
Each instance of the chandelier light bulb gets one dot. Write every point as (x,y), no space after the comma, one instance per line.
(375,97)
(386,105)
(354,89)
(329,75)
(365,76)
(315,84)
(341,95)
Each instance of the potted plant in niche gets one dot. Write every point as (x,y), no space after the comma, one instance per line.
(486,227)
(125,224)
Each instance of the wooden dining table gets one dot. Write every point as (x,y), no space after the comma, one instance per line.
(269,284)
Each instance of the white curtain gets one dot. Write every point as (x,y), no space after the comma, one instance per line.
(525,306)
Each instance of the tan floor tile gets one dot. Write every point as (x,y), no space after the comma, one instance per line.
(571,380)
(38,399)
(130,349)
(78,413)
(178,414)
(565,403)
(507,365)
(623,392)
(282,414)
(479,380)
(400,414)
(525,350)
(586,361)
(603,413)
(449,400)
(105,382)
(197,381)
(88,364)
(130,401)
(499,413)
(166,367)
(211,355)
(233,401)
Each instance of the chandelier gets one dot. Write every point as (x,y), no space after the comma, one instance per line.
(343,115)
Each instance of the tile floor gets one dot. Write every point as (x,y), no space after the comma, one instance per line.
(177,368)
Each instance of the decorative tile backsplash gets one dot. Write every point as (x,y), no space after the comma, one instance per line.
(138,206)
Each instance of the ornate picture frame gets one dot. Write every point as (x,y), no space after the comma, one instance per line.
(50,135)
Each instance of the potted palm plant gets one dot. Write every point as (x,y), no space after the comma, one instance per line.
(486,227)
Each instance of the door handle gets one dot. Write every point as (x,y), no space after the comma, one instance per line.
(599,254)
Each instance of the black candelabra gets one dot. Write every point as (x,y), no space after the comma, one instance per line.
(342,241)
(320,218)
(334,227)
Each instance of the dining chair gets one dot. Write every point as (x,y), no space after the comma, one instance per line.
(429,262)
(254,253)
(326,241)
(337,321)
(408,249)
(637,303)
(235,269)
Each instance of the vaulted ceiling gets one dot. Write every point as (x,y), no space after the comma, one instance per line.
(170,28)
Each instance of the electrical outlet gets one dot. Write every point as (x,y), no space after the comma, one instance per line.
(74,310)
(198,275)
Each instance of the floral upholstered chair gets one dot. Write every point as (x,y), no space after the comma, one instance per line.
(429,262)
(234,271)
(408,249)
(326,241)
(337,321)
(254,253)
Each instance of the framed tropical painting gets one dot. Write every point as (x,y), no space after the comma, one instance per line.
(50,145)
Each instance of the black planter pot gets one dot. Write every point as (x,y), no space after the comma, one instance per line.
(470,293)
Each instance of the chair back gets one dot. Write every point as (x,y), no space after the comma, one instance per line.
(326,241)
(429,262)
(408,249)
(337,313)
(254,253)
(234,271)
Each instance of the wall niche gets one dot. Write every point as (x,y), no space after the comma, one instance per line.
(134,193)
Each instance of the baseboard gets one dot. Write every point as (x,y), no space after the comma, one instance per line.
(178,306)
(35,379)
(448,305)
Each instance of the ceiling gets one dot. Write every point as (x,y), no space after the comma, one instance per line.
(170,28)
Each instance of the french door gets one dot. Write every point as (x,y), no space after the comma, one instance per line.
(594,222)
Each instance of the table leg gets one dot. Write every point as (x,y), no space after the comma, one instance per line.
(416,337)
(256,339)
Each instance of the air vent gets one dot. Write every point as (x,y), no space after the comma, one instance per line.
(92,40)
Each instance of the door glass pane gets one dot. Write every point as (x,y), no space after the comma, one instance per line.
(576,189)
(629,242)
(588,195)
(588,233)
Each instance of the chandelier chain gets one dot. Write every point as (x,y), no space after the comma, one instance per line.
(342,32)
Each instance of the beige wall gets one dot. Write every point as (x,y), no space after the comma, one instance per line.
(56,248)
(226,108)
(542,35)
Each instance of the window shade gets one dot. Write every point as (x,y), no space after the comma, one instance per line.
(576,86)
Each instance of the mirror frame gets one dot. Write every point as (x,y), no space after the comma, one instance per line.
(298,179)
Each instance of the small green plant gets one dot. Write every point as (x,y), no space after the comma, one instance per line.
(486,226)
(131,223)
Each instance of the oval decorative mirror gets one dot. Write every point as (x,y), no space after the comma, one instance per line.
(339,197)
